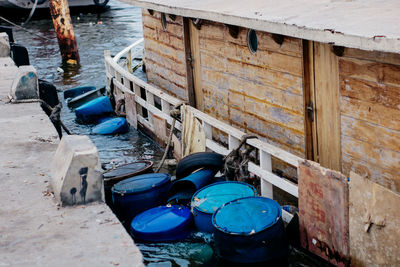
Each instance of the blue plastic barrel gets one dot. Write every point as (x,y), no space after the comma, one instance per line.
(250,230)
(208,199)
(76,91)
(112,126)
(162,224)
(94,109)
(137,194)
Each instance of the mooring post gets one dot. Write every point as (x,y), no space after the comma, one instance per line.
(59,11)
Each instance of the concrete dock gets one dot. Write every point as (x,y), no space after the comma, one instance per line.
(34,230)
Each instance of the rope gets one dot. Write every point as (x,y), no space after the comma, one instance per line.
(175,112)
(22,28)
(236,162)
(32,12)
(55,115)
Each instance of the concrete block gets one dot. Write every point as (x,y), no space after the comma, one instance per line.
(25,84)
(76,175)
(4,45)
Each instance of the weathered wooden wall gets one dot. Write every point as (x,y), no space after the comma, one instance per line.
(260,93)
(165,53)
(370,115)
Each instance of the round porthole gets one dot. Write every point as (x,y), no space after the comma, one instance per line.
(164,21)
(252,41)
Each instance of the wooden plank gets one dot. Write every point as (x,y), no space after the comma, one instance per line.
(214,146)
(374,224)
(371,112)
(189,62)
(269,177)
(131,113)
(371,133)
(324,214)
(274,151)
(370,71)
(372,154)
(327,106)
(196,65)
(311,144)
(376,56)
(386,178)
(157,112)
(160,129)
(378,93)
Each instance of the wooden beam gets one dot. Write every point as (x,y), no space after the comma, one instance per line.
(189,63)
(327,109)
(196,64)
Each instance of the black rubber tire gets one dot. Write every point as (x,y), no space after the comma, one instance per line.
(199,160)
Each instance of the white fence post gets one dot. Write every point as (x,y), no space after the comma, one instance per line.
(266,164)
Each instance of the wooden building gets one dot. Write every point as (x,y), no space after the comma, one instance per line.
(316,80)
(320,79)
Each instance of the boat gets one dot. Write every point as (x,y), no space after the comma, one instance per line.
(41,4)
(112,126)
(318,89)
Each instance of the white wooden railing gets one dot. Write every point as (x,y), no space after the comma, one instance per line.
(127,83)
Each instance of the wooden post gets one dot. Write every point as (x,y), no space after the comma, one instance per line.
(59,11)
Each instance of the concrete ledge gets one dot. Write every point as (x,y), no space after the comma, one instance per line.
(34,231)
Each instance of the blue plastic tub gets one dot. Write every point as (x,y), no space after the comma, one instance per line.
(137,194)
(250,230)
(208,199)
(162,224)
(112,126)
(76,91)
(94,109)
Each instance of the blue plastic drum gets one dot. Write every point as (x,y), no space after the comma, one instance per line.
(112,126)
(162,224)
(208,199)
(137,194)
(94,110)
(250,230)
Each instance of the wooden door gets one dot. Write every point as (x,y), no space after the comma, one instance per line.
(321,94)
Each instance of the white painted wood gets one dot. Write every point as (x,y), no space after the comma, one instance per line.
(165,106)
(207,130)
(152,109)
(365,24)
(286,216)
(267,190)
(214,146)
(233,142)
(273,179)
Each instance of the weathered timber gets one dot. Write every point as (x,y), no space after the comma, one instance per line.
(62,22)
(374,222)
(324,214)
(327,106)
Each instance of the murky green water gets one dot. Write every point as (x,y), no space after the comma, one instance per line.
(112,30)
